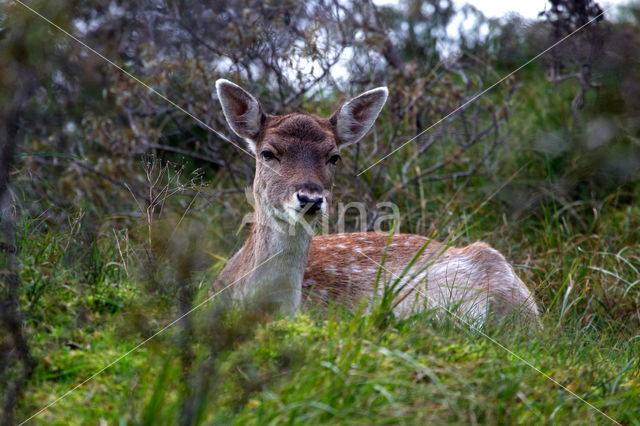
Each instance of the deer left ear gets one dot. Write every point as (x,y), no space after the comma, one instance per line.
(354,118)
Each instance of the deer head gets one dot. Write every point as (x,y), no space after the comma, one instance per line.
(296,154)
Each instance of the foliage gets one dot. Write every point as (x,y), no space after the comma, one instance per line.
(127,208)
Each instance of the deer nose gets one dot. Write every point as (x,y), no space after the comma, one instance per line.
(311,204)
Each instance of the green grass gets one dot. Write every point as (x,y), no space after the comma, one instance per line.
(340,367)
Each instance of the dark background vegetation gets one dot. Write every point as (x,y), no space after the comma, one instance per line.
(118,209)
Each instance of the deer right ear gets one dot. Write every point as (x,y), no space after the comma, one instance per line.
(354,119)
(242,111)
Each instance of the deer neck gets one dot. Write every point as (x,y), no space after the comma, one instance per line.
(276,254)
(273,237)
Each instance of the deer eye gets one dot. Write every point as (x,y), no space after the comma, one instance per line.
(334,159)
(268,155)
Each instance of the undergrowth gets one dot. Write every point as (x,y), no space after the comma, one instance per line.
(84,310)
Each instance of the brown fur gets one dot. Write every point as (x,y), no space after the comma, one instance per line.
(343,267)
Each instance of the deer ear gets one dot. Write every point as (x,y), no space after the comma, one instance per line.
(242,111)
(354,118)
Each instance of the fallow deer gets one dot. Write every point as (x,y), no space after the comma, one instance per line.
(296,157)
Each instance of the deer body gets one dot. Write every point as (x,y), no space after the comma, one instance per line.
(470,281)
(281,264)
